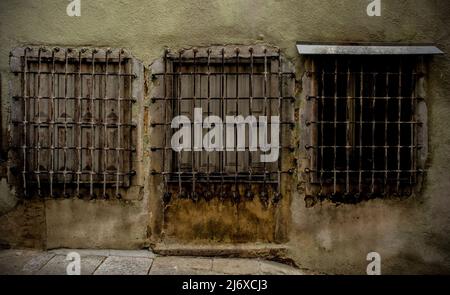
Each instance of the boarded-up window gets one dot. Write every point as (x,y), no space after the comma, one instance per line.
(71,120)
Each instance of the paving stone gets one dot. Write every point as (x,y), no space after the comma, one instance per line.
(181,266)
(13,261)
(58,265)
(37,262)
(132,253)
(275,268)
(116,265)
(236,266)
(82,252)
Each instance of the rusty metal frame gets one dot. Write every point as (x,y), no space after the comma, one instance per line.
(44,177)
(356,179)
(187,183)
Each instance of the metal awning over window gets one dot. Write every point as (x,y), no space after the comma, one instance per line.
(308,48)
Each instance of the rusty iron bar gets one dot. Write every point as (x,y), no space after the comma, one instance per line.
(399,141)
(66,64)
(250,108)
(385,136)
(119,122)
(280,134)
(321,132)
(25,118)
(373,131)
(361,109)
(52,113)
(78,111)
(335,126)
(236,158)
(38,143)
(179,112)
(91,177)
(208,51)
(105,121)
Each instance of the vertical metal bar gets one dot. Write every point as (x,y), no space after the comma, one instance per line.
(373,130)
(400,89)
(52,122)
(361,109)
(208,51)
(223,111)
(322,106)
(25,120)
(105,122)
(386,103)
(92,148)
(38,143)
(119,122)
(264,194)
(236,127)
(194,103)
(349,142)
(335,125)
(66,64)
(78,120)
(250,112)
(414,147)
(165,122)
(179,112)
(280,111)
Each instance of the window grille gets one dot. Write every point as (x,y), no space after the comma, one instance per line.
(223,82)
(72,130)
(364,126)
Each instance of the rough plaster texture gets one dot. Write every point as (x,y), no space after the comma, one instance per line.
(411,235)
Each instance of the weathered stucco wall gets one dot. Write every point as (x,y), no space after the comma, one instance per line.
(411,235)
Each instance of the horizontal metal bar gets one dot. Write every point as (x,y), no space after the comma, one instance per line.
(332,49)
(227,98)
(224,124)
(74,148)
(76,98)
(364,171)
(288,74)
(363,122)
(82,124)
(76,73)
(368,73)
(71,172)
(292,148)
(220,174)
(364,146)
(365,97)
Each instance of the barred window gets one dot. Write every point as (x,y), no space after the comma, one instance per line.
(224,82)
(365,126)
(72,130)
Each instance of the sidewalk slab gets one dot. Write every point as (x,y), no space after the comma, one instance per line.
(58,265)
(117,265)
(181,266)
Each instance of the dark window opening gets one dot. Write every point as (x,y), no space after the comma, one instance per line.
(365,126)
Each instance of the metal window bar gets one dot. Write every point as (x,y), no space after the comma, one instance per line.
(57,117)
(373,164)
(230,174)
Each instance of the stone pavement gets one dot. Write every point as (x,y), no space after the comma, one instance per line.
(141,262)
